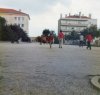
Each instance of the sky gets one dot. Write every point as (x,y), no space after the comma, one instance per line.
(44,14)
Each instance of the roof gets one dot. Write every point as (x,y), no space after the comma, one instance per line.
(12,11)
(77,16)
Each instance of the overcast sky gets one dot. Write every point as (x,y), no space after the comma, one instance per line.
(44,14)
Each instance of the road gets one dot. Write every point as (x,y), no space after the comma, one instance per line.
(33,69)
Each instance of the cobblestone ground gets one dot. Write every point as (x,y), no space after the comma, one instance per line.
(33,69)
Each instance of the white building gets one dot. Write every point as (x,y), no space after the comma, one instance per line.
(16,17)
(76,22)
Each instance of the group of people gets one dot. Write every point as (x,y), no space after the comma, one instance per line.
(88,38)
(60,38)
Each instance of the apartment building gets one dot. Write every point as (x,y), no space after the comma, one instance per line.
(16,17)
(76,22)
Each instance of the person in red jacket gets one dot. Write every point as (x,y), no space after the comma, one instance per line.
(60,37)
(89,39)
(50,39)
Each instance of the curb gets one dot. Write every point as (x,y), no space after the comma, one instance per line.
(95,81)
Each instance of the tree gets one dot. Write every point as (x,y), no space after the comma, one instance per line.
(19,33)
(68,37)
(56,41)
(6,33)
(98,33)
(12,32)
(74,35)
(92,29)
(2,24)
(46,32)
(85,32)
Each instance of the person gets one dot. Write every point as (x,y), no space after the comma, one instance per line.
(60,38)
(89,39)
(51,39)
(81,40)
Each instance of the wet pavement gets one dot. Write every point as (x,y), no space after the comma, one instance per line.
(33,69)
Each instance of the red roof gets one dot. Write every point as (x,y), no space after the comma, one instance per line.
(77,16)
(4,10)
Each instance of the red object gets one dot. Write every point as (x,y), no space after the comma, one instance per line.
(60,35)
(50,38)
(89,38)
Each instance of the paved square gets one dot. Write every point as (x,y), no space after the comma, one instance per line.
(33,69)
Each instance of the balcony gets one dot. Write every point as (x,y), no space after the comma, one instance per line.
(72,24)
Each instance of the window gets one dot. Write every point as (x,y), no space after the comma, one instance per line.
(19,25)
(22,18)
(63,27)
(22,25)
(15,18)
(63,22)
(18,18)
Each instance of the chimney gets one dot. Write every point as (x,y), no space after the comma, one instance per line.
(69,14)
(19,10)
(80,14)
(89,15)
(65,15)
(60,15)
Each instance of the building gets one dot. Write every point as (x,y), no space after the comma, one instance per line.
(76,22)
(16,17)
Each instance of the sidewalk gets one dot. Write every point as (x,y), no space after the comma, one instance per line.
(96,81)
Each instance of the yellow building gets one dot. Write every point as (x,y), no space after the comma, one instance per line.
(16,17)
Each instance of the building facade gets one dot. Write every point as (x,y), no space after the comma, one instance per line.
(16,17)
(76,22)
